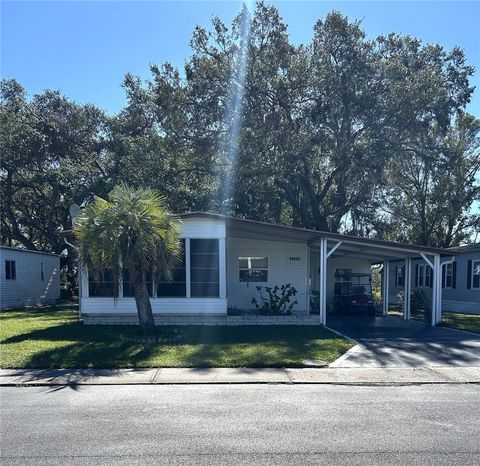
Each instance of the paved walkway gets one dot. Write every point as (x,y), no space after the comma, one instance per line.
(392,342)
(357,376)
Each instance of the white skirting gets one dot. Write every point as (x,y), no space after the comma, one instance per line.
(163,306)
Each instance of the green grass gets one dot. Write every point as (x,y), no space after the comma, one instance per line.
(54,338)
(468,322)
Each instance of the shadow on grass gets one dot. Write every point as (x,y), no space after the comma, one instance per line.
(72,344)
(116,355)
(198,334)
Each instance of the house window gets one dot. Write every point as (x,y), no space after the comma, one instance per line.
(476,274)
(448,276)
(10,270)
(177,286)
(41,271)
(428,276)
(424,276)
(399,276)
(101,284)
(204,268)
(421,275)
(253,269)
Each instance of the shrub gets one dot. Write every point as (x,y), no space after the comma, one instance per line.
(315,302)
(421,301)
(278,299)
(400,297)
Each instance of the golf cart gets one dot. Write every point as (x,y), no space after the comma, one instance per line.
(353,293)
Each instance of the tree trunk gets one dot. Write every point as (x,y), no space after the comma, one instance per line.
(142,300)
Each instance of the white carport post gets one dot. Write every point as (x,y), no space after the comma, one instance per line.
(406,288)
(437,283)
(386,285)
(323,281)
(437,290)
(84,291)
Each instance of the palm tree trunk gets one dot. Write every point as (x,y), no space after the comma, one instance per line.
(142,300)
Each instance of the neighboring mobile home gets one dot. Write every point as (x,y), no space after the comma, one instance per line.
(28,278)
(226,258)
(460,279)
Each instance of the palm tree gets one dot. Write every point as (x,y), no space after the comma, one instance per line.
(131,230)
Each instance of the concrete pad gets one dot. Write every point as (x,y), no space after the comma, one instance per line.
(392,342)
(221,375)
(385,375)
(76,376)
(411,353)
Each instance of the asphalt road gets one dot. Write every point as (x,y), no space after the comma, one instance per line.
(241,424)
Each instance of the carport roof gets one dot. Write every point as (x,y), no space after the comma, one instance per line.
(243,224)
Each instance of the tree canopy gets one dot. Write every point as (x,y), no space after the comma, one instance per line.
(345,133)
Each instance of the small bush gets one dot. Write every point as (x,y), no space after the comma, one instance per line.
(278,299)
(421,301)
(315,302)
(400,297)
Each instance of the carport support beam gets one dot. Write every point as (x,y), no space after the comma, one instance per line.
(406,288)
(437,291)
(386,285)
(323,281)
(436,288)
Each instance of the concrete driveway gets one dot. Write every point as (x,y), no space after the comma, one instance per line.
(393,342)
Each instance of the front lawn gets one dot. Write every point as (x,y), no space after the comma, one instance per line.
(468,322)
(54,338)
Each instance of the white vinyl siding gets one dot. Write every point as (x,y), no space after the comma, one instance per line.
(164,306)
(28,288)
(287,263)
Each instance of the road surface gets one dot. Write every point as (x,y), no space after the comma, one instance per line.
(241,424)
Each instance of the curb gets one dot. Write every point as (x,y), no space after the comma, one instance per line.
(399,376)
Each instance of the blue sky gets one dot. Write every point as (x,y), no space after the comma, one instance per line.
(85,48)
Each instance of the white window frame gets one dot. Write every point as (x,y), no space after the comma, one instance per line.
(448,273)
(249,259)
(475,261)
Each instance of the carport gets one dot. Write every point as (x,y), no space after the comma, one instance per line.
(322,248)
(330,246)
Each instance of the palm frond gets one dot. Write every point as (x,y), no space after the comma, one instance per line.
(132,228)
